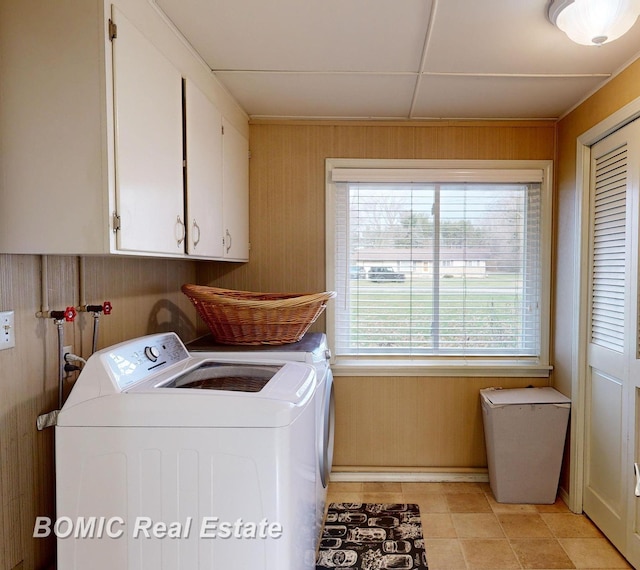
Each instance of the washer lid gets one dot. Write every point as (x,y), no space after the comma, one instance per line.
(152,404)
(511,396)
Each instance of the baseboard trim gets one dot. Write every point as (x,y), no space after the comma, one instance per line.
(562,493)
(476,476)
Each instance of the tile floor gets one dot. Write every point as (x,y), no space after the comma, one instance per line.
(466,528)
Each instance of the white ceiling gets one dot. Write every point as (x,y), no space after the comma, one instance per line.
(396,59)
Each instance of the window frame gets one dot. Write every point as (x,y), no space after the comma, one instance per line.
(434,365)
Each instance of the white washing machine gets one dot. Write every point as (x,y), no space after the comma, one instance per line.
(167,460)
(312,349)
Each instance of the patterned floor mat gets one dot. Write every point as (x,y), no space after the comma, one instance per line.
(372,536)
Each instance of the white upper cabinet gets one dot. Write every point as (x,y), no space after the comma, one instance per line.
(102,150)
(148,165)
(203,142)
(235,182)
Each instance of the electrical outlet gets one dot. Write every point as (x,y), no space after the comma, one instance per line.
(68,349)
(7,330)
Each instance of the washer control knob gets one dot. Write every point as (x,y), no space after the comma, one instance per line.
(152,353)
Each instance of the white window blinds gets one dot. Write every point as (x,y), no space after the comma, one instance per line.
(438,267)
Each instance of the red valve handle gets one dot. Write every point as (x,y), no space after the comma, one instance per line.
(107,307)
(70,314)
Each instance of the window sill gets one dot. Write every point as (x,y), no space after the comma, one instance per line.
(460,368)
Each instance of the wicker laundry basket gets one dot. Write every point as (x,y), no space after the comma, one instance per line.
(248,318)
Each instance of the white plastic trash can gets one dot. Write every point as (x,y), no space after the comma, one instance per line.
(525,431)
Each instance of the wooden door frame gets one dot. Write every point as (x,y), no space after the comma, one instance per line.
(617,120)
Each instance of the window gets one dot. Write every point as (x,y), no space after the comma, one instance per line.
(439,262)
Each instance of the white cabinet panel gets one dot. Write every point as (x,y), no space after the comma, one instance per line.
(53,193)
(148,122)
(203,125)
(235,181)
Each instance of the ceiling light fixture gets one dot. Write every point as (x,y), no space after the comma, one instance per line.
(594,22)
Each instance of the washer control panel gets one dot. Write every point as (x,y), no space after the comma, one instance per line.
(136,360)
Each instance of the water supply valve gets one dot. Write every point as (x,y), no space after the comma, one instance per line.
(105,308)
(68,315)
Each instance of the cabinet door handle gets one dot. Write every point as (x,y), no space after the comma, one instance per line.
(228,241)
(180,224)
(636,470)
(196,227)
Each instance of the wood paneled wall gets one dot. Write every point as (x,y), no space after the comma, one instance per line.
(146,298)
(412,423)
(382,423)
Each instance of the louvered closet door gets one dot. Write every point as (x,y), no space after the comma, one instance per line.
(612,334)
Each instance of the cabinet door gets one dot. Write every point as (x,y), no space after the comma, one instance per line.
(235,183)
(148,140)
(203,125)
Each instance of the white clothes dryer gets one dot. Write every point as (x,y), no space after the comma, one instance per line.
(312,349)
(167,461)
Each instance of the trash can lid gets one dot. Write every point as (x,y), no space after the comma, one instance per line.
(544,395)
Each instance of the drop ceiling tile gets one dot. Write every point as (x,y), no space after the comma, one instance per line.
(321,95)
(318,35)
(476,43)
(499,97)
(503,36)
